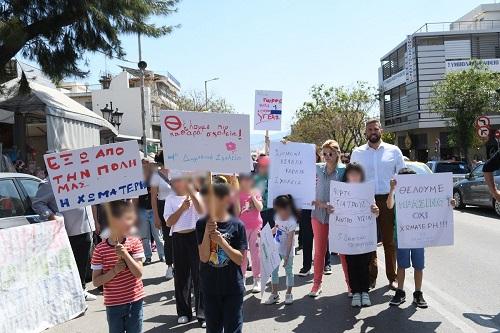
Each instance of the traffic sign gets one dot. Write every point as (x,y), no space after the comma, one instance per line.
(483,121)
(483,131)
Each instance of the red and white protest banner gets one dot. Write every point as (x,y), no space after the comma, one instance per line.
(94,175)
(205,141)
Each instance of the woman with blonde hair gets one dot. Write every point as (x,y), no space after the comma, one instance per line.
(331,169)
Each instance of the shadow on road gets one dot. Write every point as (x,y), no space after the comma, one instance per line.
(490,321)
(393,319)
(479,211)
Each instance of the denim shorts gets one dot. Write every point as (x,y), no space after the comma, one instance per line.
(415,255)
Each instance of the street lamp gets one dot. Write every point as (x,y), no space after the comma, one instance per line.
(206,92)
(113,117)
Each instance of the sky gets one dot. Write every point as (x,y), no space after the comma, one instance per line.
(286,45)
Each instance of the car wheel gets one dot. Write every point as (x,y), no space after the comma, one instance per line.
(458,199)
(496,205)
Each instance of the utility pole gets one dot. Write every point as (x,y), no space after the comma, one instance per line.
(142,66)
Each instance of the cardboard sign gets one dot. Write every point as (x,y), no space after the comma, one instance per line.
(93,175)
(353,226)
(269,255)
(292,171)
(424,216)
(204,141)
(39,280)
(268,110)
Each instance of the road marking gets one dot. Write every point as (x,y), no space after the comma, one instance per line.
(440,308)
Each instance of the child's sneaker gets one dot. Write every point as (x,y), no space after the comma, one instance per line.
(182,320)
(315,291)
(418,300)
(399,298)
(256,286)
(304,272)
(169,274)
(288,299)
(356,300)
(273,299)
(365,299)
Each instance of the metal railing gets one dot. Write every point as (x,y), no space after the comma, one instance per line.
(459,26)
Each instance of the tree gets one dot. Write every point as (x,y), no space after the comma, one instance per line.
(195,101)
(389,137)
(463,96)
(57,33)
(334,113)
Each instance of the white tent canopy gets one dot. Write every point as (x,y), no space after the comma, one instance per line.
(70,125)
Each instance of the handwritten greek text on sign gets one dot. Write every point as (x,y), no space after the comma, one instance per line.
(352,227)
(292,171)
(93,175)
(203,141)
(39,281)
(424,216)
(268,110)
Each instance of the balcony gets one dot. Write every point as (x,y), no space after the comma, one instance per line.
(460,26)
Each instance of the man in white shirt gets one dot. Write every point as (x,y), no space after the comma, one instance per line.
(381,161)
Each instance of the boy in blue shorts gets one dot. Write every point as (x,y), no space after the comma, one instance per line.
(408,257)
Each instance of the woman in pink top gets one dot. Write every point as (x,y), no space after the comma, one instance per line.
(250,205)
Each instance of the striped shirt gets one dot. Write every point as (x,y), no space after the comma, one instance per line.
(124,287)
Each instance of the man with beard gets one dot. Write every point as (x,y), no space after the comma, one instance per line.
(381,161)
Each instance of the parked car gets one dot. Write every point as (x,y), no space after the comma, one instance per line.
(419,167)
(16,191)
(473,190)
(459,169)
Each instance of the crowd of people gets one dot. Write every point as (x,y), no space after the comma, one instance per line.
(206,230)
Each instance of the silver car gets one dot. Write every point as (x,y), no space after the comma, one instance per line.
(16,191)
(473,190)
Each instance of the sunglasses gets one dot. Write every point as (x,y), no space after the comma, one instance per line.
(329,154)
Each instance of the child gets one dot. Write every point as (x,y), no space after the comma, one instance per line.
(117,264)
(222,245)
(358,264)
(182,210)
(250,206)
(284,233)
(404,256)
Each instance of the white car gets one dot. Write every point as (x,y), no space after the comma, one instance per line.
(16,191)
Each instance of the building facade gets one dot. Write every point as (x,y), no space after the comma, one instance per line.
(410,70)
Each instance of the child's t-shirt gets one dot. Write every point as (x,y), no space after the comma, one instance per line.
(220,275)
(124,287)
(187,221)
(283,228)
(248,213)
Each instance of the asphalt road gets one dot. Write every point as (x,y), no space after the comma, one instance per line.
(461,285)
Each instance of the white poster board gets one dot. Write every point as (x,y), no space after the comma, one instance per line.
(269,255)
(93,175)
(39,282)
(268,110)
(205,141)
(353,226)
(424,216)
(292,171)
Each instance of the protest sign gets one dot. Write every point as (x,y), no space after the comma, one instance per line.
(353,226)
(93,175)
(292,171)
(424,216)
(269,255)
(204,141)
(268,110)
(39,282)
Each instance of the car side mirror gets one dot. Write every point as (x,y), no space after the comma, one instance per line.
(469,176)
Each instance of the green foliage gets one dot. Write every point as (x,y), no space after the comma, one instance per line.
(389,137)
(334,113)
(462,97)
(195,101)
(57,33)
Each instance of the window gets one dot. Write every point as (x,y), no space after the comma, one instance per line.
(455,168)
(30,186)
(477,172)
(10,200)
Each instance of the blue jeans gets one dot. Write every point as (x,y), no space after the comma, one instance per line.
(125,318)
(288,270)
(147,228)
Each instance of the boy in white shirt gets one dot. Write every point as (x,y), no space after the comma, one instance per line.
(182,210)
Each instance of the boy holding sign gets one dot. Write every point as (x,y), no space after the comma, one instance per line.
(408,257)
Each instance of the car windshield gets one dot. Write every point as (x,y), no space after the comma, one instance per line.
(420,169)
(456,168)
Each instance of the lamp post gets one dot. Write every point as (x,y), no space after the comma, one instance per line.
(206,92)
(142,67)
(114,117)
